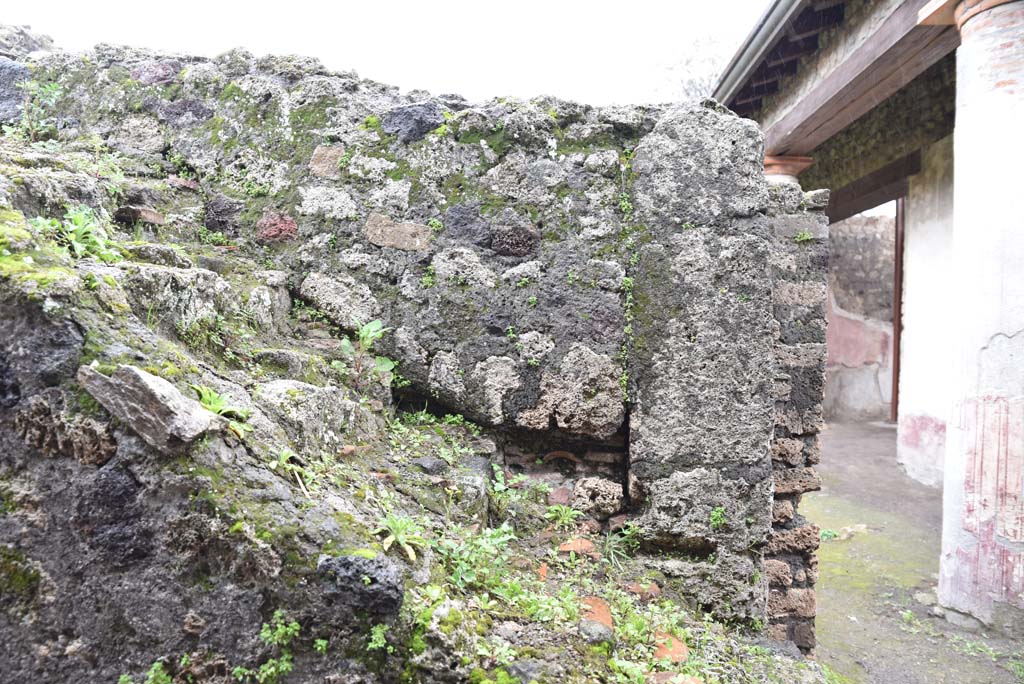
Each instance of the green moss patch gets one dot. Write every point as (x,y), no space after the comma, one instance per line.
(19,580)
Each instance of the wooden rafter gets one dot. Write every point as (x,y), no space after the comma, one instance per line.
(751,93)
(811,22)
(768,74)
(786,50)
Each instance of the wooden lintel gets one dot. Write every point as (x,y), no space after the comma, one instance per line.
(882,185)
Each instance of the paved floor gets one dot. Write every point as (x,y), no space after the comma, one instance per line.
(878,575)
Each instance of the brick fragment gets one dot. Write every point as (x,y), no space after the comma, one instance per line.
(782,511)
(644,592)
(792,602)
(667,647)
(796,480)
(579,546)
(778,573)
(788,450)
(799,540)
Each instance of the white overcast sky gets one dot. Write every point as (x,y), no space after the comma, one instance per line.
(596,52)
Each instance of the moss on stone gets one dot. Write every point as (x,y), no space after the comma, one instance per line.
(232,91)
(7,503)
(25,269)
(496,139)
(13,229)
(19,580)
(451,622)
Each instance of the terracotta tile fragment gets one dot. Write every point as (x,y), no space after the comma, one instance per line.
(667,647)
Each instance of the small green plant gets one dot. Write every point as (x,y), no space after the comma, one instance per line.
(476,561)
(212,237)
(562,517)
(254,189)
(1016,668)
(532,302)
(215,334)
(505,493)
(345,159)
(362,362)
(429,278)
(458,420)
(828,535)
(378,639)
(523,282)
(570,277)
(215,402)
(802,237)
(625,205)
(717,518)
(81,233)
(320,646)
(181,166)
(402,531)
(279,635)
(435,225)
(620,545)
(532,362)
(510,332)
(626,671)
(37,122)
(157,674)
(287,462)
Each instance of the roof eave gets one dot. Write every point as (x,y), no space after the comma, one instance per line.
(767,30)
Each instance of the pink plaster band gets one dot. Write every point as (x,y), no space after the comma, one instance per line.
(968,9)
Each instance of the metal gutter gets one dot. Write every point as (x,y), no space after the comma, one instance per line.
(767,30)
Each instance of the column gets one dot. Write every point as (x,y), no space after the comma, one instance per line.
(982,563)
(784,169)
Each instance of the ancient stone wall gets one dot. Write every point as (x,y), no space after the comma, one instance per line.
(799,264)
(613,293)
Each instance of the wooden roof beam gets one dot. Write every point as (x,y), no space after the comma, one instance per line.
(895,53)
(767,74)
(786,51)
(751,93)
(747,107)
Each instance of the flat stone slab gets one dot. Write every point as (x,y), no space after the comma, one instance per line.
(150,407)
